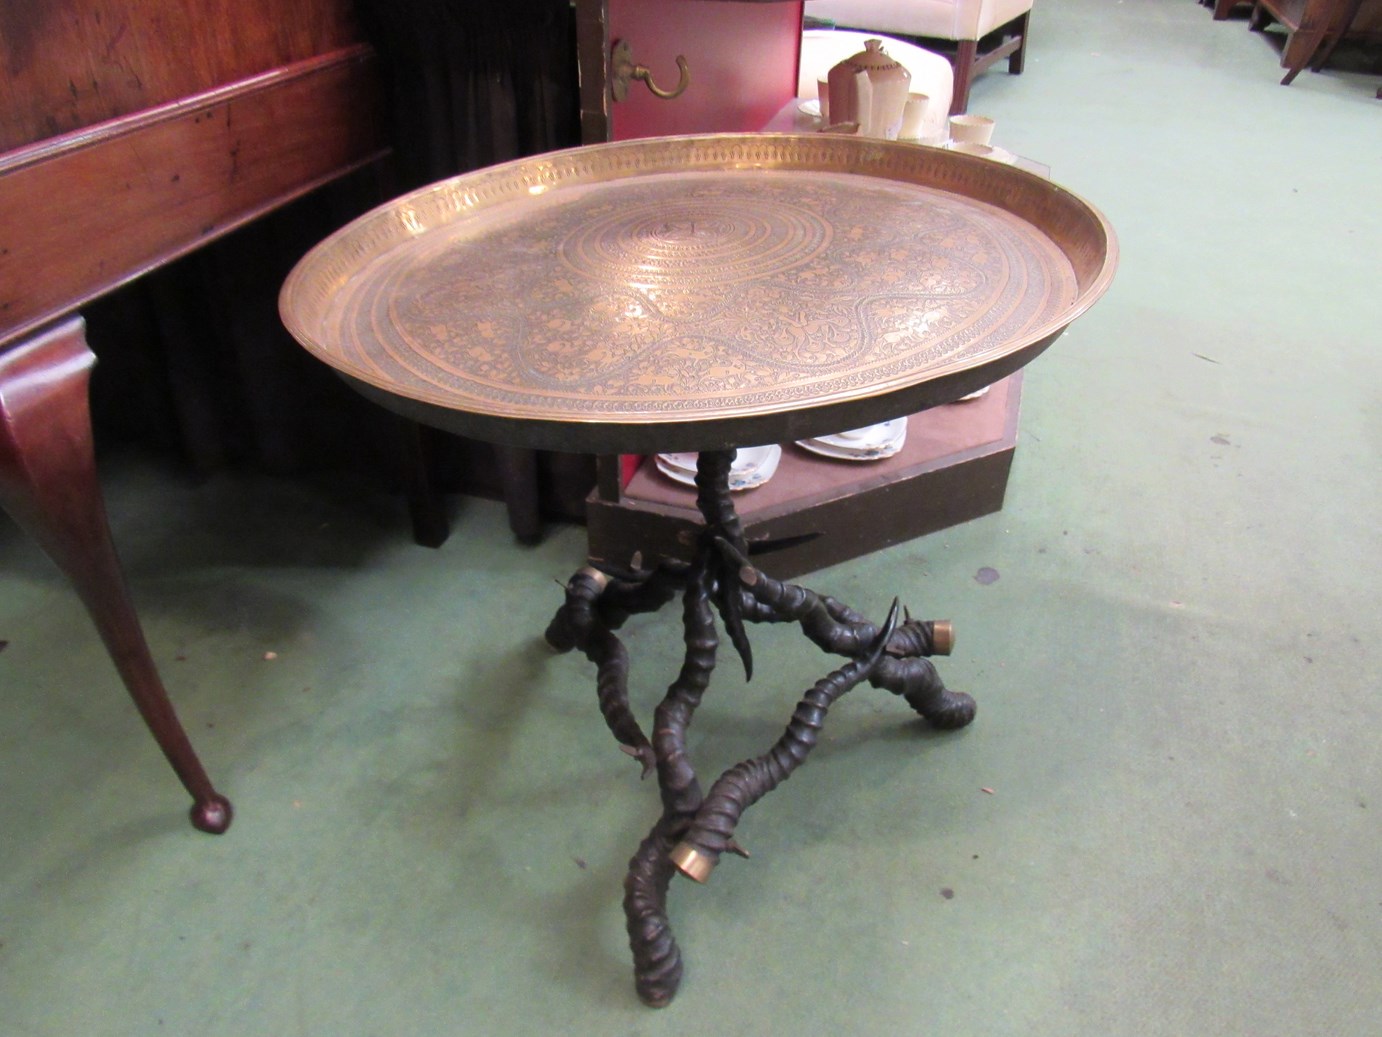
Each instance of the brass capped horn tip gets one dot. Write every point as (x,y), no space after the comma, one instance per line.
(691,862)
(942,637)
(601,580)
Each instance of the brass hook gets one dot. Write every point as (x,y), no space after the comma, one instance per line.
(623,69)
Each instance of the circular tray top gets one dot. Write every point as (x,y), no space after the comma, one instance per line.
(699,293)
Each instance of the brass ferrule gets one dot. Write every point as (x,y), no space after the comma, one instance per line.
(942,637)
(691,862)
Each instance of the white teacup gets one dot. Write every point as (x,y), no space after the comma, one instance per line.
(971,129)
(914,117)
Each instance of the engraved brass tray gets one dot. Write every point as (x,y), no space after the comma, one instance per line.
(699,293)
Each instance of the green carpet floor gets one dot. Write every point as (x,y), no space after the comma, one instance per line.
(1177,670)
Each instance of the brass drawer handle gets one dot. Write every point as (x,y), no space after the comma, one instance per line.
(623,69)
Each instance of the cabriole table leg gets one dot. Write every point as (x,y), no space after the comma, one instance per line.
(48,485)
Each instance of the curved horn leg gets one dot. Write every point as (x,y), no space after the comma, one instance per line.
(712,831)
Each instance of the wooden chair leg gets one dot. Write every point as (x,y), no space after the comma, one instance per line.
(1335,34)
(964,75)
(48,485)
(1019,28)
(1300,48)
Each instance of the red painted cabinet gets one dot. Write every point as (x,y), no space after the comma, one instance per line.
(741,60)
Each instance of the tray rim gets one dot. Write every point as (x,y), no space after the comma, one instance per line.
(1073,225)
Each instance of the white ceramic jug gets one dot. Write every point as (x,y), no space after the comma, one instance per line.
(870,88)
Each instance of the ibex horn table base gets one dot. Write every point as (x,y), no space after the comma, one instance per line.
(697,827)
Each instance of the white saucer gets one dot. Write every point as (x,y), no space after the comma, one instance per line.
(811,108)
(868,444)
(994,154)
(680,462)
(753,466)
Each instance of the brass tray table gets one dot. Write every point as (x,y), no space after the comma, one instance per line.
(702,294)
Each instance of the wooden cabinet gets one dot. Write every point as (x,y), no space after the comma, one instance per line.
(127,140)
(742,59)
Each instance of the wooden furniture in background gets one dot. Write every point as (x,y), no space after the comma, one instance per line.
(1348,11)
(1341,28)
(129,136)
(1222,8)
(94,208)
(1313,27)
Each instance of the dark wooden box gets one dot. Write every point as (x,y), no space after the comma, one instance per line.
(953,468)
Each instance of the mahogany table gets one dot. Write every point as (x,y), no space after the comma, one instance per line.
(196,135)
(699,294)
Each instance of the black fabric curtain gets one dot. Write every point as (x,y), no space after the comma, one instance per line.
(473,83)
(193,360)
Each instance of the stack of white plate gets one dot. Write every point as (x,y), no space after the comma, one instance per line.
(753,466)
(861,444)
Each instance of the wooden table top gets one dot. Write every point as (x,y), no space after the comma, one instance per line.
(699,293)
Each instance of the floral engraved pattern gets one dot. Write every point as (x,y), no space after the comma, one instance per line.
(661,293)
